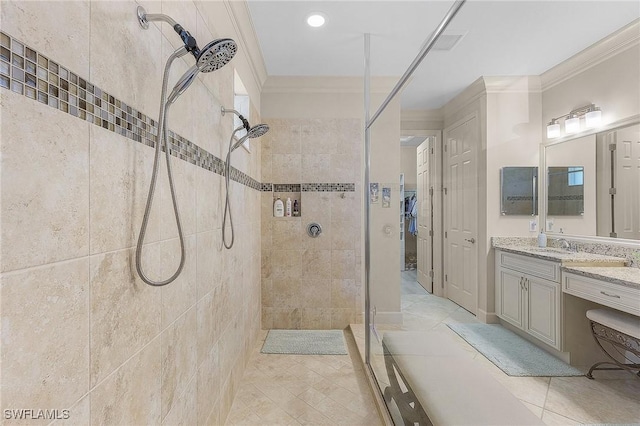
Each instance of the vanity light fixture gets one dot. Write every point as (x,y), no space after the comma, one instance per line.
(592,118)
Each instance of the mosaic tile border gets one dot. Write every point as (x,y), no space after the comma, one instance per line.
(328,187)
(286,187)
(25,71)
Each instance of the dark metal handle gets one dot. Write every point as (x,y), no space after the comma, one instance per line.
(610,295)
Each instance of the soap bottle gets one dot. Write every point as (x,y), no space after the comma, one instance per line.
(542,239)
(278,208)
(296,208)
(288,210)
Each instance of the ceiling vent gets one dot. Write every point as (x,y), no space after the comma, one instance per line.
(447,41)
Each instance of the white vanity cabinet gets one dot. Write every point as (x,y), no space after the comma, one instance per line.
(528,295)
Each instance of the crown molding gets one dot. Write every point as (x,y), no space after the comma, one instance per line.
(625,38)
(470,94)
(240,16)
(314,84)
(513,84)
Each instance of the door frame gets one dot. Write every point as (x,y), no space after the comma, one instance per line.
(435,178)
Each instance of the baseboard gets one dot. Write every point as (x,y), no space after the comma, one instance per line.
(488,317)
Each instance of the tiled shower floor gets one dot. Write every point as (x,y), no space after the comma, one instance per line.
(304,389)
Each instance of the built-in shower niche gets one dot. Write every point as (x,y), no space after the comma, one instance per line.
(291,191)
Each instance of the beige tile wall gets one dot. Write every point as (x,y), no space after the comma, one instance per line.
(312,283)
(80,330)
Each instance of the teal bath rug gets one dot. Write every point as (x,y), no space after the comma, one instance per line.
(511,353)
(305,342)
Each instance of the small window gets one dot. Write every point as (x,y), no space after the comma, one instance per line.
(241,104)
(576,176)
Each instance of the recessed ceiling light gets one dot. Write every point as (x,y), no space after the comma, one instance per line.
(315,20)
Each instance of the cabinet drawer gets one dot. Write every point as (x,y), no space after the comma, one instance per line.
(529,265)
(613,295)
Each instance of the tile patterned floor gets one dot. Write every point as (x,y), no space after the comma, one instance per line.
(614,397)
(332,389)
(304,389)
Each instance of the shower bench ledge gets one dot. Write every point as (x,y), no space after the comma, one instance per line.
(447,383)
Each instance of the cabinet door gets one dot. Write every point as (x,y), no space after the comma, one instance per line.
(509,304)
(543,310)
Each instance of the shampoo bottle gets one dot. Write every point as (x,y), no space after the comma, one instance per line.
(278,208)
(288,210)
(542,239)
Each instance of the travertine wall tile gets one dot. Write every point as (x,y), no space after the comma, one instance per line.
(131,395)
(45,331)
(45,184)
(329,152)
(78,166)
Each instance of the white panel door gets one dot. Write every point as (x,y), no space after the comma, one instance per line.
(461,214)
(424,217)
(627,183)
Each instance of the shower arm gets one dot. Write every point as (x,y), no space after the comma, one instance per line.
(245,122)
(189,41)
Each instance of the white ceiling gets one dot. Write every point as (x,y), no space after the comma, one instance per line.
(501,38)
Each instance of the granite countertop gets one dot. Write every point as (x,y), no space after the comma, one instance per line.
(628,277)
(565,257)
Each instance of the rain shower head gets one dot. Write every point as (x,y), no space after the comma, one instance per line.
(254,132)
(257,131)
(216,54)
(212,57)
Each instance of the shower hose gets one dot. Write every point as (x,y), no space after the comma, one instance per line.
(227,204)
(161,140)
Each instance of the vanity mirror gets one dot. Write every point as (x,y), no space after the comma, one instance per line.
(592,184)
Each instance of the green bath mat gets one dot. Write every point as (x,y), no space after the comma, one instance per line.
(511,353)
(305,342)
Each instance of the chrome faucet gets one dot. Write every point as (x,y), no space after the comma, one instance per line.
(564,244)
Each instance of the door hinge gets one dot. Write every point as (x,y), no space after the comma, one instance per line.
(612,147)
(446,277)
(431,191)
(431,232)
(445,234)
(445,147)
(431,274)
(612,191)
(445,191)
(431,150)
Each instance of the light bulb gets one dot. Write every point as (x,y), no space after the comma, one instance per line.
(553,130)
(316,20)
(572,124)
(593,118)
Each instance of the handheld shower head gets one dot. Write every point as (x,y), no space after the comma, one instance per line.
(182,84)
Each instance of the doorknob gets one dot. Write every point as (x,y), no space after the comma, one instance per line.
(470,240)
